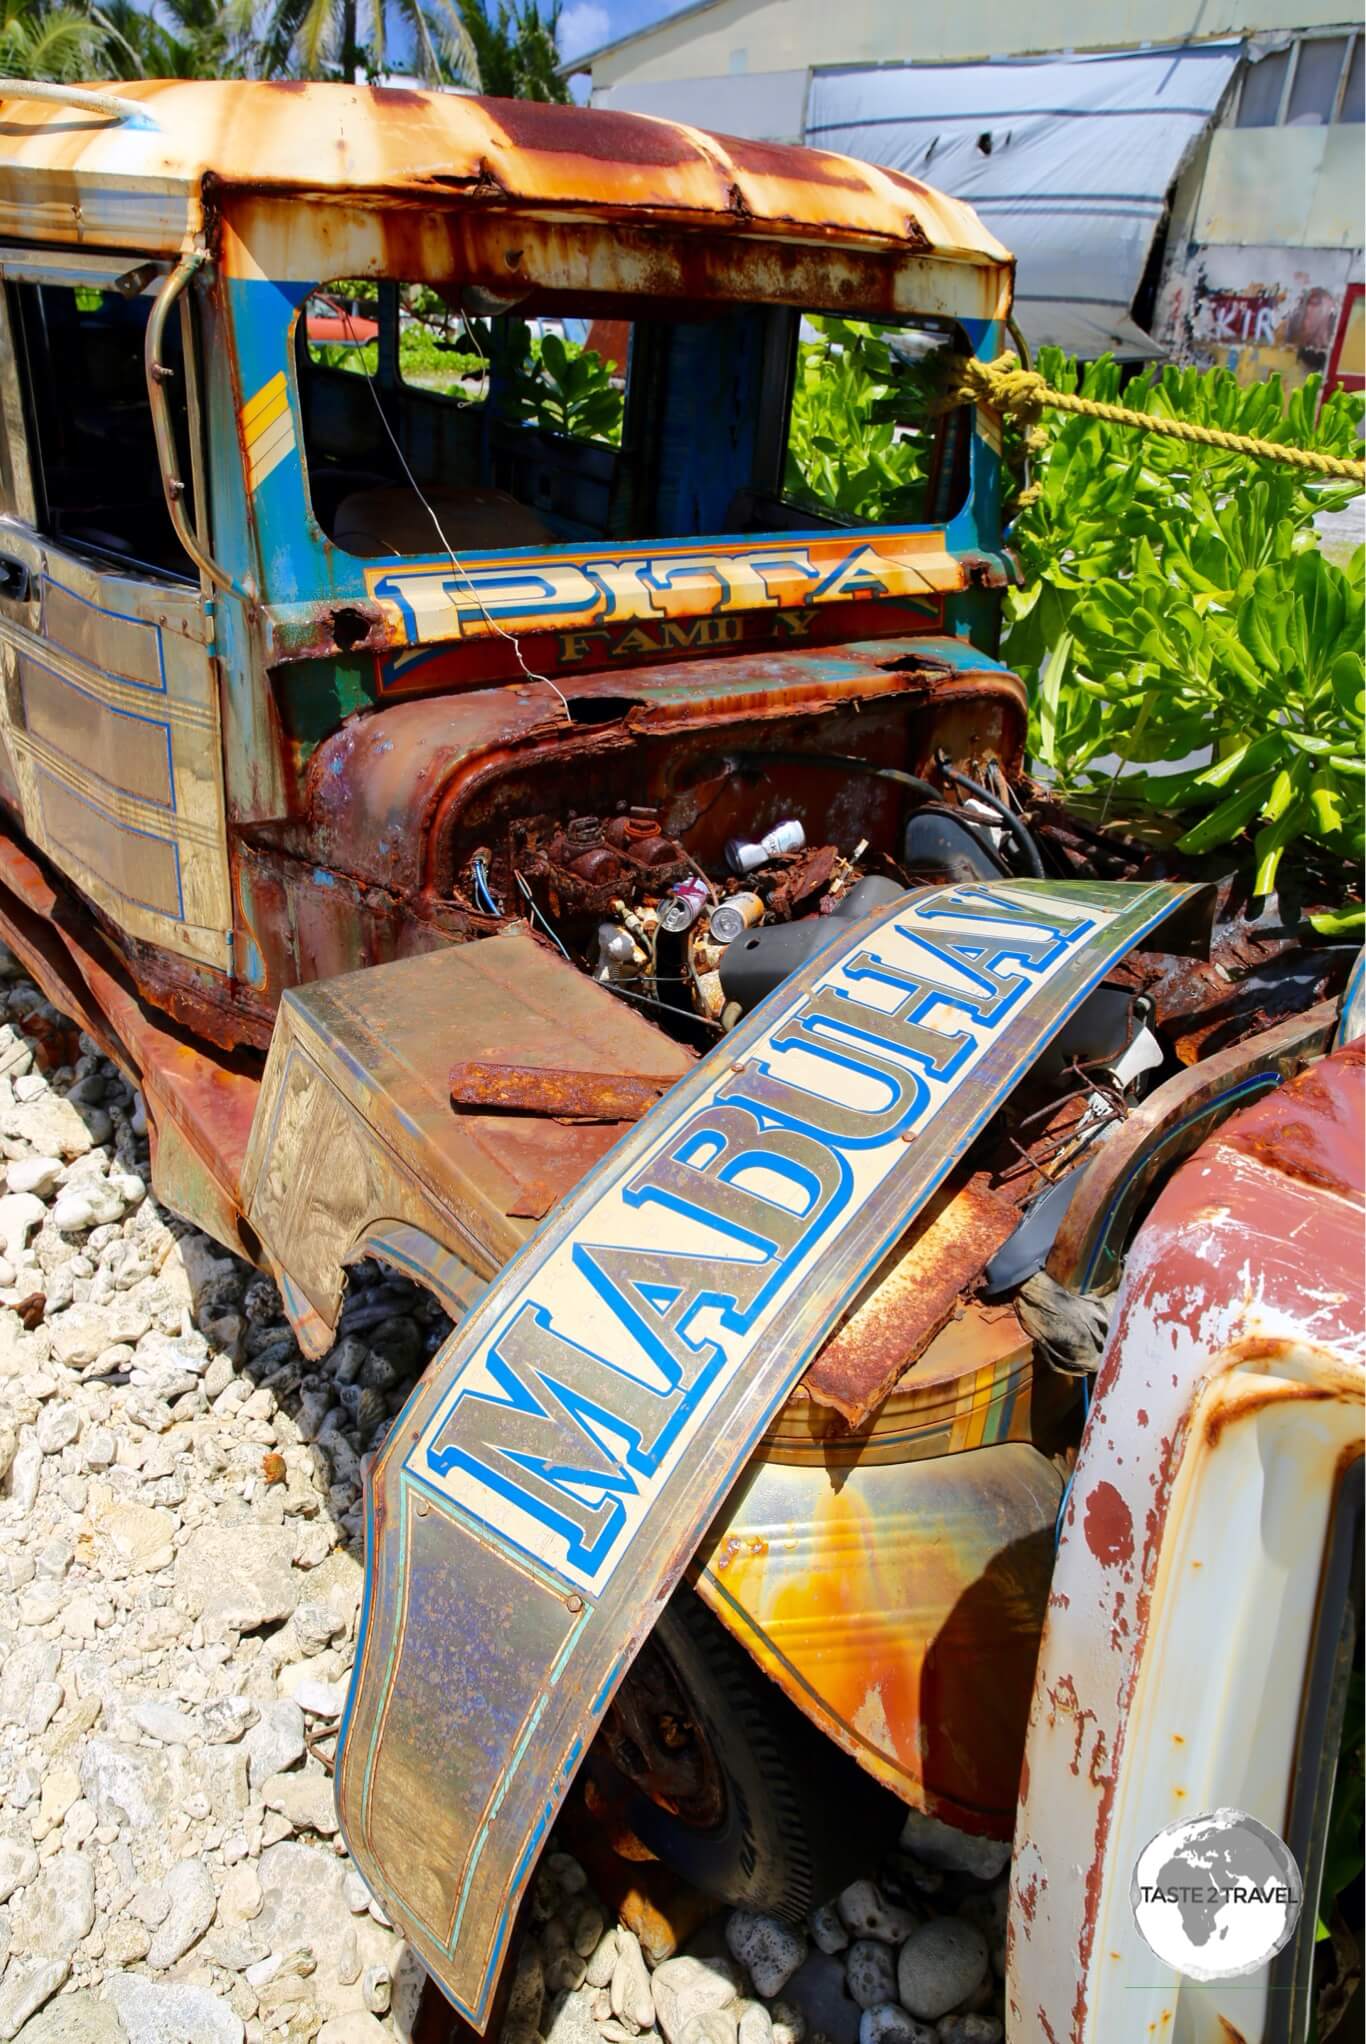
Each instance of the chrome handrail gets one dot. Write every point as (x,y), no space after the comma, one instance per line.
(158,375)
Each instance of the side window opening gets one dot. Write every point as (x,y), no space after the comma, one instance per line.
(864,443)
(97,479)
(513,427)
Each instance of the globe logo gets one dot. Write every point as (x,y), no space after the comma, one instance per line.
(1216,1896)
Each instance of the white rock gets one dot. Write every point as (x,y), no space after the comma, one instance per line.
(770,1951)
(25,1989)
(275,1742)
(20,1214)
(165,1723)
(939,1966)
(57,1910)
(869,1914)
(25,1471)
(632,2001)
(357,2027)
(714,2026)
(190,1891)
(870,1969)
(38,1175)
(601,1962)
(956,1852)
(890,2024)
(376,1988)
(316,1698)
(153,2013)
(86,1206)
(247,1582)
(756,2024)
(686,1987)
(305,1799)
(18,1865)
(223,1721)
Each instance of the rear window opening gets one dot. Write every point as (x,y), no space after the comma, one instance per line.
(450,418)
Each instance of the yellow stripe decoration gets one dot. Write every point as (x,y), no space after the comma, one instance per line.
(267,430)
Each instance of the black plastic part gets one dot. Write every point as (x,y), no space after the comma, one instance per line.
(1026,1251)
(942,845)
(760,960)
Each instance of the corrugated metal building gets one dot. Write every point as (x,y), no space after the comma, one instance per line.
(1193,196)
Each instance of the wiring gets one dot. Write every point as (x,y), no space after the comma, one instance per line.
(530,900)
(1029,851)
(482,892)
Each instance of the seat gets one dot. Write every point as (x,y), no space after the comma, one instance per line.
(395,521)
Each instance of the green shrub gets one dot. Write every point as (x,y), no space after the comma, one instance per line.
(1176,603)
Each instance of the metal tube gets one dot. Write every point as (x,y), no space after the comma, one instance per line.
(167,458)
(83,96)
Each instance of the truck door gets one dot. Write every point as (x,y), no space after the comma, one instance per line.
(109,709)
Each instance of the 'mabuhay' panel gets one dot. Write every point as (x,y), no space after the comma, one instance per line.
(582,1426)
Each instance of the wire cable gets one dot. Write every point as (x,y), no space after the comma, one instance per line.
(1029,851)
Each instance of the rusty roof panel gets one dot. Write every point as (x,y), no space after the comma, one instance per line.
(351,141)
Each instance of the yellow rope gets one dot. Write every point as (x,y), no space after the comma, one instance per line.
(1010,388)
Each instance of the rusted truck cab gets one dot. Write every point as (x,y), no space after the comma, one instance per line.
(502,738)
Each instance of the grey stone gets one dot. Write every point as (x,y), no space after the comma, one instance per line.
(57,1910)
(827,1928)
(155,2013)
(769,1950)
(376,1989)
(686,1987)
(953,1851)
(190,1892)
(870,1969)
(248,1581)
(526,1999)
(817,1989)
(868,1913)
(25,1989)
(890,2024)
(275,1742)
(939,1966)
(972,2028)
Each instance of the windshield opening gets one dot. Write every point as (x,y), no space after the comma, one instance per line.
(447,418)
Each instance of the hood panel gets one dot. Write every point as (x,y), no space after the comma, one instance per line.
(552,1475)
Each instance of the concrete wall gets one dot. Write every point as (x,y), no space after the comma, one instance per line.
(731,37)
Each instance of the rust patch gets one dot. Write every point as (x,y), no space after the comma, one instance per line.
(894,1323)
(1257,1397)
(561,1093)
(1109,1526)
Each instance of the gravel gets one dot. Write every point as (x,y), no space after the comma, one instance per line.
(181,1560)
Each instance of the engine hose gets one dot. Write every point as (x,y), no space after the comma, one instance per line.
(1028,849)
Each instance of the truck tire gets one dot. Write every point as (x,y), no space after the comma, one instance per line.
(725,1780)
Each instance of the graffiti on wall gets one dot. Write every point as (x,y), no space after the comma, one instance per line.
(1257,312)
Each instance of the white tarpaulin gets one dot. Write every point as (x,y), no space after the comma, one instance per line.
(1068,159)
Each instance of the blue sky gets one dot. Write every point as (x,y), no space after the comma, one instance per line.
(588,24)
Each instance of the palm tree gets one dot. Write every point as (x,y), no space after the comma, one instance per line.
(322,38)
(196,41)
(518,54)
(46,41)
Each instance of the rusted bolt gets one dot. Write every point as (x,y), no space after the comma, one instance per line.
(574,1603)
(422,1508)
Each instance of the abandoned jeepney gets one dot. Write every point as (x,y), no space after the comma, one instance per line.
(502,741)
